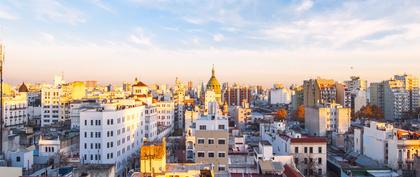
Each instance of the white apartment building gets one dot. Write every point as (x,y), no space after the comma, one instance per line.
(390,146)
(50,103)
(111,134)
(280,96)
(151,123)
(165,110)
(309,153)
(15,110)
(330,117)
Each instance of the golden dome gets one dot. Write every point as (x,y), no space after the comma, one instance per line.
(213,83)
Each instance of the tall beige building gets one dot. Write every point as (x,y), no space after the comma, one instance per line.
(209,140)
(332,117)
(319,91)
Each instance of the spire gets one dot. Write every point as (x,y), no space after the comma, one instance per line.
(212,71)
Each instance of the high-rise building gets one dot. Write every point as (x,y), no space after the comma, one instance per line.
(15,110)
(411,84)
(51,107)
(280,95)
(396,100)
(235,95)
(358,92)
(319,91)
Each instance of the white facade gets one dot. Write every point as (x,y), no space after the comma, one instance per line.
(49,147)
(309,153)
(111,134)
(150,123)
(331,117)
(15,110)
(165,110)
(280,96)
(390,146)
(50,103)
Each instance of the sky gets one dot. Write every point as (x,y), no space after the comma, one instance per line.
(249,41)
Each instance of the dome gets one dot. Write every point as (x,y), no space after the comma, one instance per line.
(23,88)
(213,83)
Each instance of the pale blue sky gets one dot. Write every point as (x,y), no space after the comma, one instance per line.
(249,41)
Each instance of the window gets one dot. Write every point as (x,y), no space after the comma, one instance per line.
(221,141)
(306,161)
(203,127)
(211,154)
(306,149)
(211,141)
(18,159)
(296,149)
(222,154)
(200,141)
(221,127)
(200,154)
(311,150)
(319,149)
(319,161)
(222,168)
(320,171)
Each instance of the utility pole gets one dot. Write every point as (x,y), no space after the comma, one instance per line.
(1,97)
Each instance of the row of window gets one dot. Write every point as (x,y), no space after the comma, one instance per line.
(211,154)
(311,150)
(220,127)
(211,141)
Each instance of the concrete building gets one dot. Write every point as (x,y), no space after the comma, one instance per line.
(111,134)
(151,123)
(327,118)
(319,91)
(234,96)
(280,95)
(309,154)
(50,103)
(165,111)
(393,147)
(396,100)
(15,110)
(411,84)
(209,140)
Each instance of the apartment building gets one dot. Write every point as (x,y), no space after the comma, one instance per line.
(327,118)
(209,140)
(50,105)
(165,110)
(111,134)
(15,110)
(393,147)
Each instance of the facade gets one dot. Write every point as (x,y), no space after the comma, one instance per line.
(309,154)
(236,95)
(151,123)
(396,100)
(111,134)
(15,110)
(393,147)
(280,96)
(319,91)
(51,107)
(165,110)
(208,141)
(327,118)
(411,84)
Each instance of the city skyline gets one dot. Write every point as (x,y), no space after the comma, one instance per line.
(249,42)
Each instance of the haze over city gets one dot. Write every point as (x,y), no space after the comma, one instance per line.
(251,42)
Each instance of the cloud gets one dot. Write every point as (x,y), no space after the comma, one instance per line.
(48,37)
(139,38)
(304,6)
(218,37)
(52,10)
(102,5)
(6,14)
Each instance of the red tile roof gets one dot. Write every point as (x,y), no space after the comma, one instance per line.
(291,172)
(309,140)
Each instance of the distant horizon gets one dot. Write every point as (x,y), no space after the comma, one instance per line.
(250,42)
